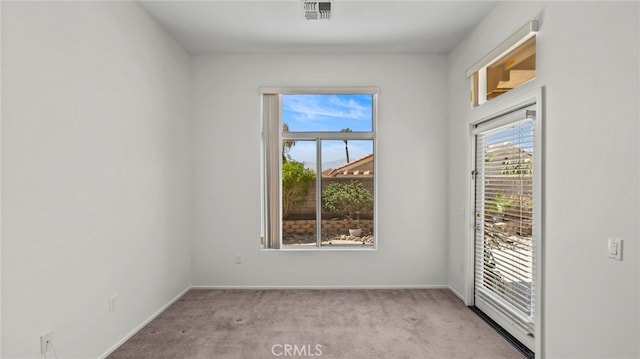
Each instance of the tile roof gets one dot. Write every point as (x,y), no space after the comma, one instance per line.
(362,167)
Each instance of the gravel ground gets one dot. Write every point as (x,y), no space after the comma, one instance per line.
(334,239)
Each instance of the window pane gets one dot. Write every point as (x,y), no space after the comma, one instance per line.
(504,212)
(512,70)
(347,192)
(319,113)
(298,193)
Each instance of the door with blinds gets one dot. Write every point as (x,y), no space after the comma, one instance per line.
(505,208)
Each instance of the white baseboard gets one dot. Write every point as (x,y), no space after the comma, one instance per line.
(462,298)
(139,327)
(256,287)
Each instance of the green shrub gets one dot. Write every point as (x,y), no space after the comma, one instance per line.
(295,185)
(346,199)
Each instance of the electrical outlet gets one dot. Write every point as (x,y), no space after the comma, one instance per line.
(238,259)
(113,302)
(46,342)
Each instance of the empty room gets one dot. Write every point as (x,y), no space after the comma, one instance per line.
(332,179)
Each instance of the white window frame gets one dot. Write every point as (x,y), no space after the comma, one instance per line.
(477,74)
(272,153)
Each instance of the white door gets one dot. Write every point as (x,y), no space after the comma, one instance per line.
(505,204)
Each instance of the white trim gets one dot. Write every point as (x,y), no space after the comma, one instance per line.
(519,97)
(470,235)
(376,178)
(269,287)
(359,248)
(527,94)
(143,324)
(539,217)
(328,135)
(462,298)
(515,40)
(319,90)
(0,189)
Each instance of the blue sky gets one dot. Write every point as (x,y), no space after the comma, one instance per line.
(518,134)
(328,113)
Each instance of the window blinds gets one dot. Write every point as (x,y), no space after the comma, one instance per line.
(271,132)
(504,248)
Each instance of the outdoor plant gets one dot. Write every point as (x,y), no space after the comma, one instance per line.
(295,185)
(500,204)
(495,239)
(346,200)
(495,211)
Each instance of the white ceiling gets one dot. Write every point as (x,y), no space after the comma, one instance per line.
(279,26)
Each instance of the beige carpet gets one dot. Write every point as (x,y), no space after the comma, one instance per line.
(344,324)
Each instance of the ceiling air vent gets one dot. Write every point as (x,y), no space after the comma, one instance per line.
(317,10)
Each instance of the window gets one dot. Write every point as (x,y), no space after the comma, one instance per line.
(319,168)
(512,70)
(509,66)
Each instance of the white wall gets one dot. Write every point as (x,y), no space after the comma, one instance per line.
(411,171)
(96,165)
(588,60)
(97,158)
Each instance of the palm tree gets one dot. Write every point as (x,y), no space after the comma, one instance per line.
(286,144)
(346,143)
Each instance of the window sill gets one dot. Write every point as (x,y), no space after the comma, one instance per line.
(342,248)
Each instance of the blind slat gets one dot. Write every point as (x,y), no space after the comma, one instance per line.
(504,252)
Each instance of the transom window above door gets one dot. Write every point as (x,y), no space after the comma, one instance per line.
(508,66)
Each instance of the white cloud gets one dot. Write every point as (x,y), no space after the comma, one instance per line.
(317,107)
